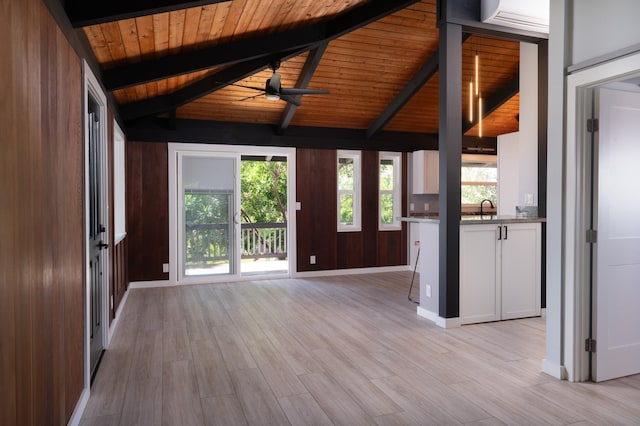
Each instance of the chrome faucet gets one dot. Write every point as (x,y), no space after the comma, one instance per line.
(482,202)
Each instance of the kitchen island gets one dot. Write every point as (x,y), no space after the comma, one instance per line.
(500,267)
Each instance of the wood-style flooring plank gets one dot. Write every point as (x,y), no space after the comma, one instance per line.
(302,410)
(143,403)
(258,402)
(334,400)
(223,410)
(345,350)
(211,371)
(180,398)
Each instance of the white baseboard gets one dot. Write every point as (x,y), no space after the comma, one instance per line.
(352,271)
(80,407)
(116,320)
(151,284)
(438,320)
(554,370)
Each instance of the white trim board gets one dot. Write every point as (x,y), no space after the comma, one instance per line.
(352,271)
(576,307)
(438,320)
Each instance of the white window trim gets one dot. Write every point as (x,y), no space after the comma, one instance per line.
(396,225)
(356,192)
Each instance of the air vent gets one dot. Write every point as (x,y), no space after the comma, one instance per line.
(530,15)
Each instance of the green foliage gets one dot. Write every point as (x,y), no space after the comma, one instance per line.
(264,191)
(205,208)
(345,174)
(386,209)
(346,209)
(386,175)
(484,184)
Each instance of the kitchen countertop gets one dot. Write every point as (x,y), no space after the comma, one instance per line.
(476,219)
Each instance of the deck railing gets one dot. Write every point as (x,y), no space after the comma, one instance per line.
(208,243)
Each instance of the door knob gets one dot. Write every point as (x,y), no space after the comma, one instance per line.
(102,245)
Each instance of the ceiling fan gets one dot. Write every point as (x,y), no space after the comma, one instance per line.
(273,89)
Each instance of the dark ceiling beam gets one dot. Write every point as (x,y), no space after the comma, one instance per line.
(169,102)
(310,65)
(155,129)
(83,13)
(253,47)
(505,93)
(424,74)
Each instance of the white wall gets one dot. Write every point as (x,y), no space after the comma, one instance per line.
(528,139)
(580,30)
(508,173)
(601,27)
(554,361)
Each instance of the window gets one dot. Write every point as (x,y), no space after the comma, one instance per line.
(348,191)
(389,191)
(478,180)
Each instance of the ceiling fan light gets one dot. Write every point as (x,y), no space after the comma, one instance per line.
(272,96)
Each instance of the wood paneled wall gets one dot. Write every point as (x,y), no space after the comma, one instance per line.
(316,222)
(119,275)
(41,219)
(317,235)
(316,180)
(147,210)
(118,264)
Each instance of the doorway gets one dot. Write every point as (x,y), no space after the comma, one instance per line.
(616,251)
(230,212)
(96,224)
(603,340)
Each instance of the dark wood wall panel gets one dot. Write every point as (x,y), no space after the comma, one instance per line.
(147,210)
(41,231)
(119,274)
(370,207)
(316,222)
(316,182)
(350,250)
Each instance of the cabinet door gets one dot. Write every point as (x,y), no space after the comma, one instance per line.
(479,274)
(520,270)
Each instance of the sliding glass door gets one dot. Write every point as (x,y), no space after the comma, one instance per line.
(208,215)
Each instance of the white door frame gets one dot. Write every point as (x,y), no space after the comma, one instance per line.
(92,88)
(580,87)
(174,149)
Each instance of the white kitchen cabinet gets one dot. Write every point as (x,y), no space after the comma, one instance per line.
(499,271)
(425,172)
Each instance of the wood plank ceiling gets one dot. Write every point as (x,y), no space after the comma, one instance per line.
(364,69)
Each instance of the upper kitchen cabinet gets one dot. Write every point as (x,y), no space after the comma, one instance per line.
(425,172)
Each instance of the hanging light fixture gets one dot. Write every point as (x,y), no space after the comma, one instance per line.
(475,94)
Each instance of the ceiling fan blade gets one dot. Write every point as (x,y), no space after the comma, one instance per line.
(294,91)
(246,87)
(291,100)
(252,97)
(273,84)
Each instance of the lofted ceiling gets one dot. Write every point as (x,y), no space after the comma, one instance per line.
(378,59)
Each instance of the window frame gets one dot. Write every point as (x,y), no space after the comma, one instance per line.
(356,192)
(467,161)
(396,192)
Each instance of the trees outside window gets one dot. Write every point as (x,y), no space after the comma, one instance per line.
(348,191)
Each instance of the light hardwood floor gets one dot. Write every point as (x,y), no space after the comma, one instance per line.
(346,350)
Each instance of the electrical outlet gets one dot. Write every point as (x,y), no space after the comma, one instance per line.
(412,206)
(428,290)
(426,207)
(165,267)
(312,259)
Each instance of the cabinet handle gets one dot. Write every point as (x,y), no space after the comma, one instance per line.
(506,232)
(499,233)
